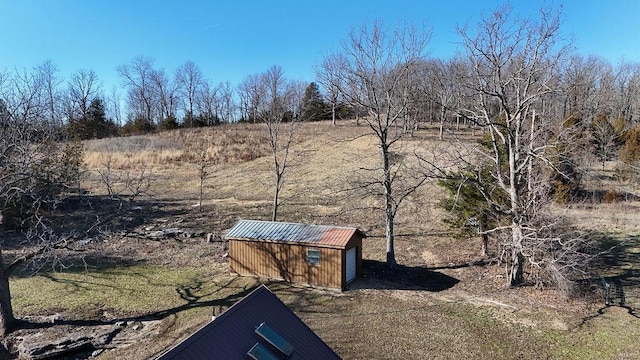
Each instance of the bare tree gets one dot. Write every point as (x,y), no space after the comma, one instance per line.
(7,319)
(276,112)
(225,100)
(48,71)
(328,75)
(606,139)
(372,69)
(115,106)
(295,100)
(36,171)
(208,104)
(165,94)
(515,66)
(627,91)
(582,78)
(190,80)
(243,102)
(439,83)
(202,175)
(253,92)
(82,88)
(137,77)
(126,185)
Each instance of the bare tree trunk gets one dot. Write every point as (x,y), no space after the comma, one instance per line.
(7,320)
(517,268)
(516,271)
(333,114)
(391,255)
(442,119)
(276,194)
(482,227)
(388,206)
(485,245)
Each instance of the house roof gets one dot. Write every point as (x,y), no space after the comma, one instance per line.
(235,332)
(317,235)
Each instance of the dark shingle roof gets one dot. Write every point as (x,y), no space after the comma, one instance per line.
(319,235)
(232,334)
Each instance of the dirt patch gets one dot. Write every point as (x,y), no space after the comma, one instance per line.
(429,257)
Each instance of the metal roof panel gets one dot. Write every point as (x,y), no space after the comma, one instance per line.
(321,235)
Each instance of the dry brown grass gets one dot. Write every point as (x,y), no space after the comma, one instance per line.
(377,319)
(218,145)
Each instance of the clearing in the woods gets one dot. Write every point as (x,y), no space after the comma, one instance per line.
(151,277)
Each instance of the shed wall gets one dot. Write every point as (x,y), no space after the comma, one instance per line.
(288,262)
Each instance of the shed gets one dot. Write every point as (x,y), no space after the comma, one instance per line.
(260,326)
(318,255)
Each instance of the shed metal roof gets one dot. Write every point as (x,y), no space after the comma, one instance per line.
(318,235)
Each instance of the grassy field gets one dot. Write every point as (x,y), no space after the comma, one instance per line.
(177,281)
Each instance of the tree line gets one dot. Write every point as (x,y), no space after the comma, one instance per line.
(154,100)
(604,97)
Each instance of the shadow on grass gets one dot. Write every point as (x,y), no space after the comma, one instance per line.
(631,311)
(402,278)
(190,293)
(76,262)
(618,264)
(617,252)
(88,216)
(84,223)
(615,274)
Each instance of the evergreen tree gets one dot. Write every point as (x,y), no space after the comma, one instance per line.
(630,156)
(313,105)
(137,126)
(472,200)
(97,120)
(168,123)
(94,125)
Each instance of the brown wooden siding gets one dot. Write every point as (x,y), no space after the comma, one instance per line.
(287,262)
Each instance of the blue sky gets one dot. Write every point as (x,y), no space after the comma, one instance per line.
(232,39)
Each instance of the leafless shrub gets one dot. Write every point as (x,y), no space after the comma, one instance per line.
(555,253)
(125,185)
(41,248)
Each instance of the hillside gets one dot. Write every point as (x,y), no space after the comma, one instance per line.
(436,306)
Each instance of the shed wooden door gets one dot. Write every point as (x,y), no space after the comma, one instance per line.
(351,264)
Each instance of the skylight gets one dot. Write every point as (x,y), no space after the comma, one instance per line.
(259,352)
(275,339)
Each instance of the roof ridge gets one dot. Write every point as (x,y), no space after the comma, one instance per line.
(305,224)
